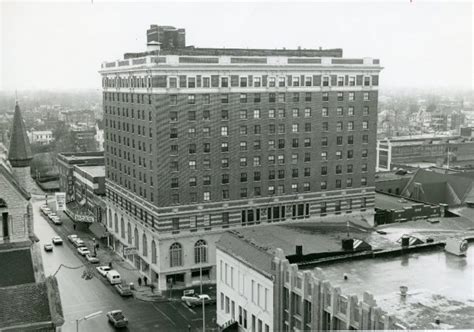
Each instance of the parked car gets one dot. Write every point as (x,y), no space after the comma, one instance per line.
(92,259)
(57,240)
(48,247)
(192,300)
(117,319)
(72,238)
(46,211)
(42,207)
(123,289)
(103,270)
(55,219)
(78,243)
(83,251)
(114,277)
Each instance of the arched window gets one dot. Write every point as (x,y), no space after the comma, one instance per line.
(122,228)
(116,223)
(144,245)
(153,252)
(137,240)
(200,252)
(176,255)
(129,233)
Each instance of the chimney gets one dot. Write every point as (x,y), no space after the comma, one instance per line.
(299,250)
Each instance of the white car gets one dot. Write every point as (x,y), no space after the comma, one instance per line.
(46,211)
(55,219)
(72,238)
(57,240)
(103,270)
(48,247)
(83,251)
(92,259)
(78,243)
(196,299)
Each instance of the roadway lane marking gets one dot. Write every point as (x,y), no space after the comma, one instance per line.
(167,317)
(184,305)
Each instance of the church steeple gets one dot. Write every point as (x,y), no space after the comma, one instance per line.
(19,152)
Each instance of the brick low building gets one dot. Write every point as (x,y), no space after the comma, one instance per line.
(201,140)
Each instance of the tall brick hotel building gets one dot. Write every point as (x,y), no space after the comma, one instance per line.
(201,140)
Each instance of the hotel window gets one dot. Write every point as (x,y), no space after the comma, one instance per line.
(243,114)
(271,82)
(192,164)
(243,146)
(307,157)
(243,130)
(191,99)
(325,80)
(325,126)
(256,161)
(257,129)
(243,98)
(192,148)
(207,147)
(340,81)
(271,174)
(207,196)
(174,133)
(364,153)
(206,82)
(324,112)
(225,115)
(191,82)
(281,159)
(257,81)
(339,140)
(224,98)
(307,142)
(365,111)
(206,131)
(243,161)
(174,183)
(224,130)
(349,168)
(271,190)
(271,128)
(191,115)
(339,126)
(256,97)
(365,139)
(365,125)
(173,82)
(307,112)
(350,125)
(295,143)
(206,98)
(173,116)
(364,168)
(243,177)
(281,81)
(281,128)
(324,141)
(349,183)
(225,162)
(324,170)
(366,96)
(366,80)
(271,114)
(296,81)
(363,181)
(192,132)
(243,192)
(173,101)
(337,206)
(308,80)
(324,155)
(351,96)
(271,97)
(224,147)
(350,154)
(256,176)
(338,154)
(295,128)
(224,82)
(294,158)
(192,182)
(225,178)
(338,169)
(325,96)
(281,113)
(280,189)
(339,111)
(350,111)
(296,112)
(352,81)
(340,96)
(324,186)
(271,144)
(281,97)
(256,114)
(296,97)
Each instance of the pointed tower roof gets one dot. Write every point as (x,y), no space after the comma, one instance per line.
(19,152)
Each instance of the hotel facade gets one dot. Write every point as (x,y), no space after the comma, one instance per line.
(200,140)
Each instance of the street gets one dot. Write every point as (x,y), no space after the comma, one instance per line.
(82,297)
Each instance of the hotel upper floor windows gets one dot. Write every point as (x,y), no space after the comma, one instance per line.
(340,81)
(325,126)
(271,97)
(224,82)
(173,101)
(281,81)
(365,111)
(191,99)
(271,113)
(256,114)
(325,80)
(296,81)
(365,153)
(366,96)
(350,111)
(173,82)
(257,81)
(174,133)
(307,96)
(281,97)
(191,82)
(366,80)
(206,82)
(350,125)
(243,114)
(224,98)
(352,80)
(271,81)
(340,96)
(324,112)
(224,147)
(296,97)
(363,168)
(365,125)
(325,96)
(243,82)
(243,98)
(256,97)
(206,98)
(308,81)
(351,96)
(206,115)
(224,131)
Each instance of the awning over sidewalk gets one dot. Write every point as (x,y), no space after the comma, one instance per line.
(98,230)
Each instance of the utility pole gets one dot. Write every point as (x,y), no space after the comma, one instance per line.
(203,305)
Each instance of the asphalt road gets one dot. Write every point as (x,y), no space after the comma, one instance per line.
(82,297)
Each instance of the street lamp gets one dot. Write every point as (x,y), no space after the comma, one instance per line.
(90,316)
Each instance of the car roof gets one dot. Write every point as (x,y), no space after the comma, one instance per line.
(115,311)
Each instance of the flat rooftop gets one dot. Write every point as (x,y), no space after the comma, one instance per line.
(94,171)
(389,202)
(439,285)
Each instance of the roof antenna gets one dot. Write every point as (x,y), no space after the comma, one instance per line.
(16,97)
(347,228)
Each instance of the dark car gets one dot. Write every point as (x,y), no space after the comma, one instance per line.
(117,319)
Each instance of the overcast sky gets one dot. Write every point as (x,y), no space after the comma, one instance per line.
(61,45)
